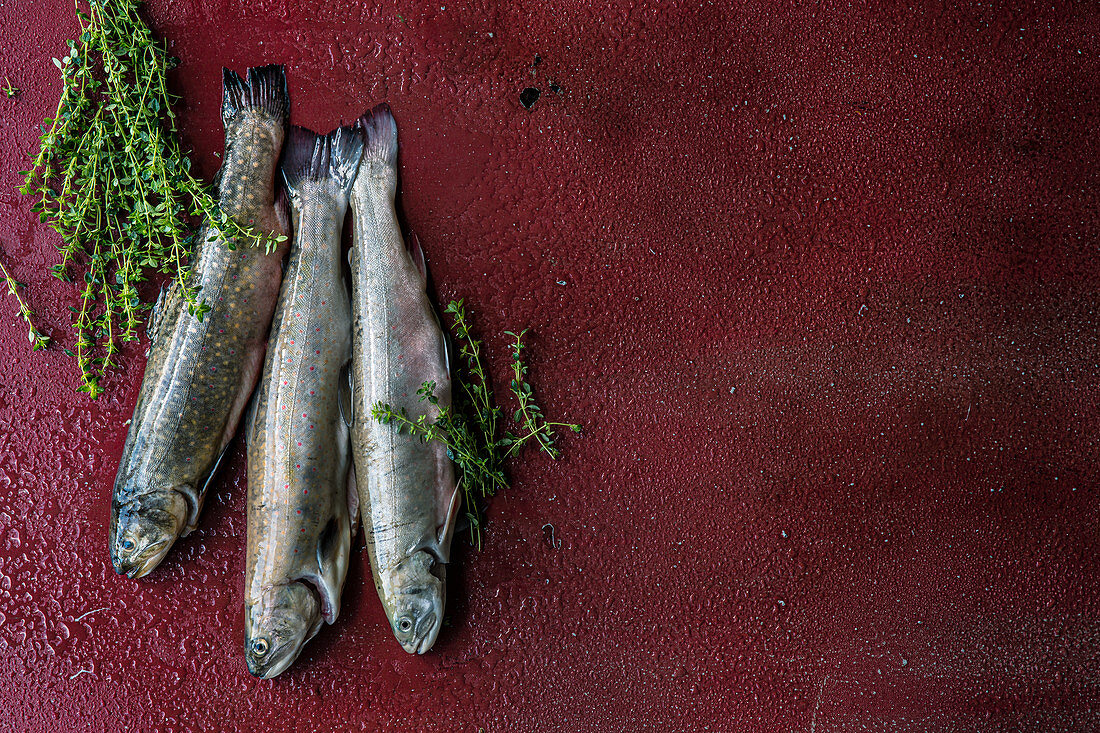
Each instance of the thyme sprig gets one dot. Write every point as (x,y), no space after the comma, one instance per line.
(471,426)
(111,179)
(37,338)
(529,415)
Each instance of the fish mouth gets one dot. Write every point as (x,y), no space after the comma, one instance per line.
(264,672)
(426,639)
(271,673)
(267,669)
(142,566)
(420,646)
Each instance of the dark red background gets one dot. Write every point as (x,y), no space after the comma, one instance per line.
(821,285)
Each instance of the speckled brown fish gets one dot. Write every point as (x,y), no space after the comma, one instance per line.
(200,373)
(407,489)
(299,519)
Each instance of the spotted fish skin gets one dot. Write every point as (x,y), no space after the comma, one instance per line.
(407,491)
(200,373)
(299,520)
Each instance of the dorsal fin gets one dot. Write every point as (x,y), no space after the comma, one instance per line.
(416,254)
(156,318)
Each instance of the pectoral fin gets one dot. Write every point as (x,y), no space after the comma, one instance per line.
(213,470)
(333,551)
(446,532)
(250,418)
(195,500)
(353,502)
(440,545)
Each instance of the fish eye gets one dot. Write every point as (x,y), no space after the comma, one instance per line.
(128,545)
(405,624)
(259,647)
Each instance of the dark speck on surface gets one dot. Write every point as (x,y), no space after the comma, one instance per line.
(529,96)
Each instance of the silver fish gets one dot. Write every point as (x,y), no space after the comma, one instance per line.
(408,498)
(200,373)
(300,524)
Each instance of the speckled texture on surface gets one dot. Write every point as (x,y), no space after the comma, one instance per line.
(821,284)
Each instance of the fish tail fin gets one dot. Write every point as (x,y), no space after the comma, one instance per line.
(380,132)
(265,91)
(313,157)
(305,157)
(346,144)
(267,85)
(234,92)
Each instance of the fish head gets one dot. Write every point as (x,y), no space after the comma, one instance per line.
(144,528)
(415,604)
(277,626)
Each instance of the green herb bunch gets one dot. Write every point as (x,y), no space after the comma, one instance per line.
(472,427)
(111,179)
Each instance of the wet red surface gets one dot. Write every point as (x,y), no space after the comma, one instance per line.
(822,287)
